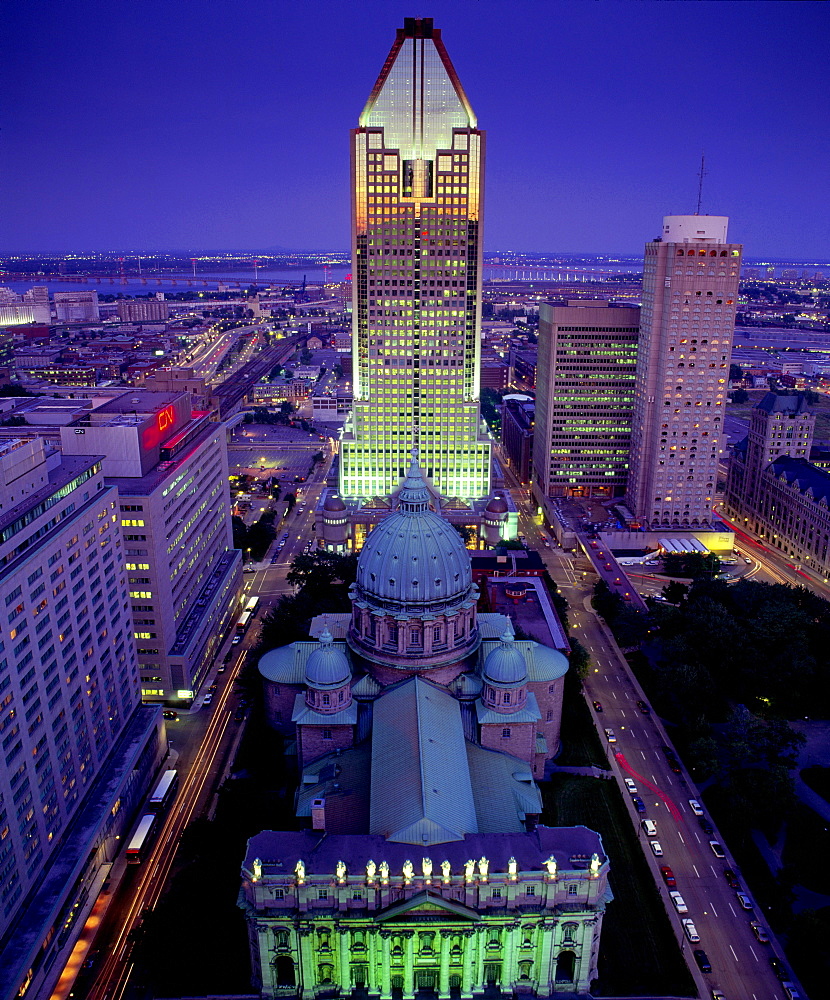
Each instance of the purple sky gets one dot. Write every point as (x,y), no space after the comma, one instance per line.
(223,124)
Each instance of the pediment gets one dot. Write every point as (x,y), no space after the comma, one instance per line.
(426,904)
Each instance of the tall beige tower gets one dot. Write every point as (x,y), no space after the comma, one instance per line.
(690,290)
(417,173)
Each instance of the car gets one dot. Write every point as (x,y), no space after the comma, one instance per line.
(631,788)
(228,656)
(690,930)
(656,849)
(668,876)
(597,706)
(703,962)
(744,900)
(790,989)
(643,707)
(696,807)
(649,827)
(609,735)
(168,713)
(760,932)
(717,850)
(236,640)
(731,878)
(213,688)
(608,566)
(778,967)
(679,901)
(674,766)
(705,825)
(221,669)
(718,995)
(208,698)
(747,560)
(638,803)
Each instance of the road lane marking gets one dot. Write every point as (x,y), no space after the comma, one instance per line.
(714,871)
(734,914)
(622,713)
(696,871)
(643,754)
(682,841)
(697,838)
(733,952)
(753,953)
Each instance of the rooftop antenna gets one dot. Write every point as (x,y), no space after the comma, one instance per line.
(701,174)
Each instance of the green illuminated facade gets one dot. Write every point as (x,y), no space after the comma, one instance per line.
(584,399)
(417,176)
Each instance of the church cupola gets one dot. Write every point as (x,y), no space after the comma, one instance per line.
(328,677)
(505,678)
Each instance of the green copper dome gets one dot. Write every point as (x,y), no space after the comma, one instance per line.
(505,665)
(327,666)
(414,561)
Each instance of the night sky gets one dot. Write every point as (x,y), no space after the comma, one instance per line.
(197,125)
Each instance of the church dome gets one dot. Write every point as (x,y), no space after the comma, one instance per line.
(497,505)
(505,665)
(327,666)
(334,503)
(414,561)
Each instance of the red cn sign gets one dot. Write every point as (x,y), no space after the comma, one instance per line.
(165,418)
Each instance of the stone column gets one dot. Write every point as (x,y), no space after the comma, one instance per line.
(545,974)
(372,950)
(409,966)
(444,968)
(266,970)
(386,971)
(480,944)
(343,944)
(469,939)
(508,951)
(307,977)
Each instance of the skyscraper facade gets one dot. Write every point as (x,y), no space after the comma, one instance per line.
(690,290)
(584,399)
(417,188)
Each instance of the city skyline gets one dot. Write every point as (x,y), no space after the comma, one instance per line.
(155,127)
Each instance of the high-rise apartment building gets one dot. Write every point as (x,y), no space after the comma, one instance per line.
(690,290)
(170,465)
(77,749)
(584,399)
(417,189)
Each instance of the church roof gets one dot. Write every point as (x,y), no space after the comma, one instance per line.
(414,560)
(304,715)
(543,663)
(505,665)
(792,402)
(420,786)
(327,666)
(528,713)
(505,791)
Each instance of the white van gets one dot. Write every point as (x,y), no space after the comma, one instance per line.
(690,930)
(650,827)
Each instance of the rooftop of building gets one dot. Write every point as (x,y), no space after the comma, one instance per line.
(70,468)
(806,477)
(142,401)
(793,403)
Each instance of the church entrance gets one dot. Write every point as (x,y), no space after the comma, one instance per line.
(492,971)
(426,979)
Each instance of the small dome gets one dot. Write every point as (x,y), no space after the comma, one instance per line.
(334,503)
(497,505)
(505,665)
(327,666)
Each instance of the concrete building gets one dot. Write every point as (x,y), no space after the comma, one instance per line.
(690,288)
(77,307)
(423,731)
(517,426)
(587,355)
(143,310)
(417,172)
(171,468)
(78,748)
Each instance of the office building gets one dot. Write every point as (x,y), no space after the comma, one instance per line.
(76,307)
(420,735)
(690,289)
(584,399)
(143,310)
(170,465)
(417,189)
(78,748)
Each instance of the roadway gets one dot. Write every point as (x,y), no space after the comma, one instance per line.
(739,962)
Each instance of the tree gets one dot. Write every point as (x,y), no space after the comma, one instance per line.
(675,591)
(691,564)
(740,396)
(240,533)
(735,373)
(467,533)
(580,658)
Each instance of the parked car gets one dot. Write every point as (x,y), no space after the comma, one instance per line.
(649,826)
(170,715)
(718,995)
(778,967)
(790,989)
(609,735)
(597,706)
(656,849)
(705,825)
(638,803)
(208,698)
(668,876)
(744,900)
(703,962)
(630,786)
(760,932)
(643,707)
(696,807)
(679,902)
(717,850)
(690,930)
(731,878)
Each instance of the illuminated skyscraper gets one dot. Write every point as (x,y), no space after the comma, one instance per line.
(690,288)
(417,173)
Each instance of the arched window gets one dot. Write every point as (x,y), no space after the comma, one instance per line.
(565,967)
(325,975)
(281,939)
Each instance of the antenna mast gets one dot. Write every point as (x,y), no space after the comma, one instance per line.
(701,174)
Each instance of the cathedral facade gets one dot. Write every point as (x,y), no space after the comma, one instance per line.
(420,736)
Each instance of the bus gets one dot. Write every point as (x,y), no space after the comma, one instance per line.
(243,623)
(252,606)
(165,791)
(138,846)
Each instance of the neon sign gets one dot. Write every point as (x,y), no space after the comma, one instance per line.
(165,418)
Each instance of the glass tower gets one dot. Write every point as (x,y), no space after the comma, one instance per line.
(417,172)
